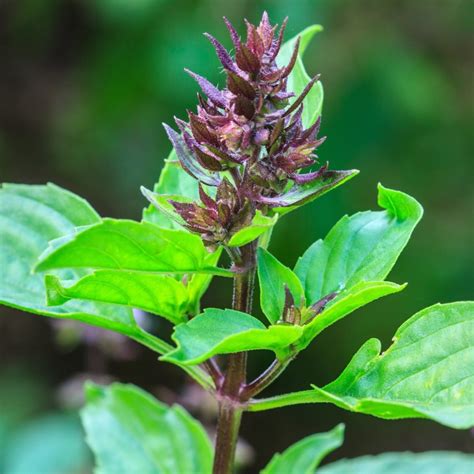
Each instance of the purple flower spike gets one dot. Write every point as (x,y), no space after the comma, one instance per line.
(251,132)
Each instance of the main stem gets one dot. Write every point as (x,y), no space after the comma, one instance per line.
(230,406)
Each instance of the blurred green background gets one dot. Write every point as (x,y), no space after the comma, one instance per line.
(84,87)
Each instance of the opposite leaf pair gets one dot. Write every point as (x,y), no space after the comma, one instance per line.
(367,243)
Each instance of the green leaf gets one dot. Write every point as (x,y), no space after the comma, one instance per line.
(132,246)
(300,194)
(259,225)
(219,331)
(345,303)
(173,181)
(435,462)
(304,456)
(272,277)
(299,78)
(363,247)
(30,216)
(132,432)
(158,294)
(428,372)
(198,283)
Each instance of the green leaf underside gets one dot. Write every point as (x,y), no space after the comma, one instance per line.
(344,304)
(304,456)
(159,294)
(133,246)
(363,247)
(30,216)
(174,181)
(434,462)
(129,431)
(427,372)
(273,276)
(299,78)
(219,331)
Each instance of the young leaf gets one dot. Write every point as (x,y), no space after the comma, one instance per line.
(428,372)
(132,246)
(363,247)
(219,331)
(173,181)
(30,216)
(259,225)
(345,303)
(272,277)
(434,462)
(129,431)
(304,456)
(299,78)
(158,294)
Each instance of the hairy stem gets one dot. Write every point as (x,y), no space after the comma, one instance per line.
(230,409)
(228,425)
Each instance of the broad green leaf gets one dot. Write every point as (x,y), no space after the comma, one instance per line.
(173,181)
(428,372)
(345,303)
(130,431)
(272,277)
(158,294)
(30,216)
(299,78)
(434,462)
(300,194)
(304,456)
(219,331)
(363,247)
(132,246)
(259,225)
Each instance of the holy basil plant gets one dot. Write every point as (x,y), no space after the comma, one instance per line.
(240,162)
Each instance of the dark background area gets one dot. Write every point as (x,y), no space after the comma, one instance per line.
(84,87)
